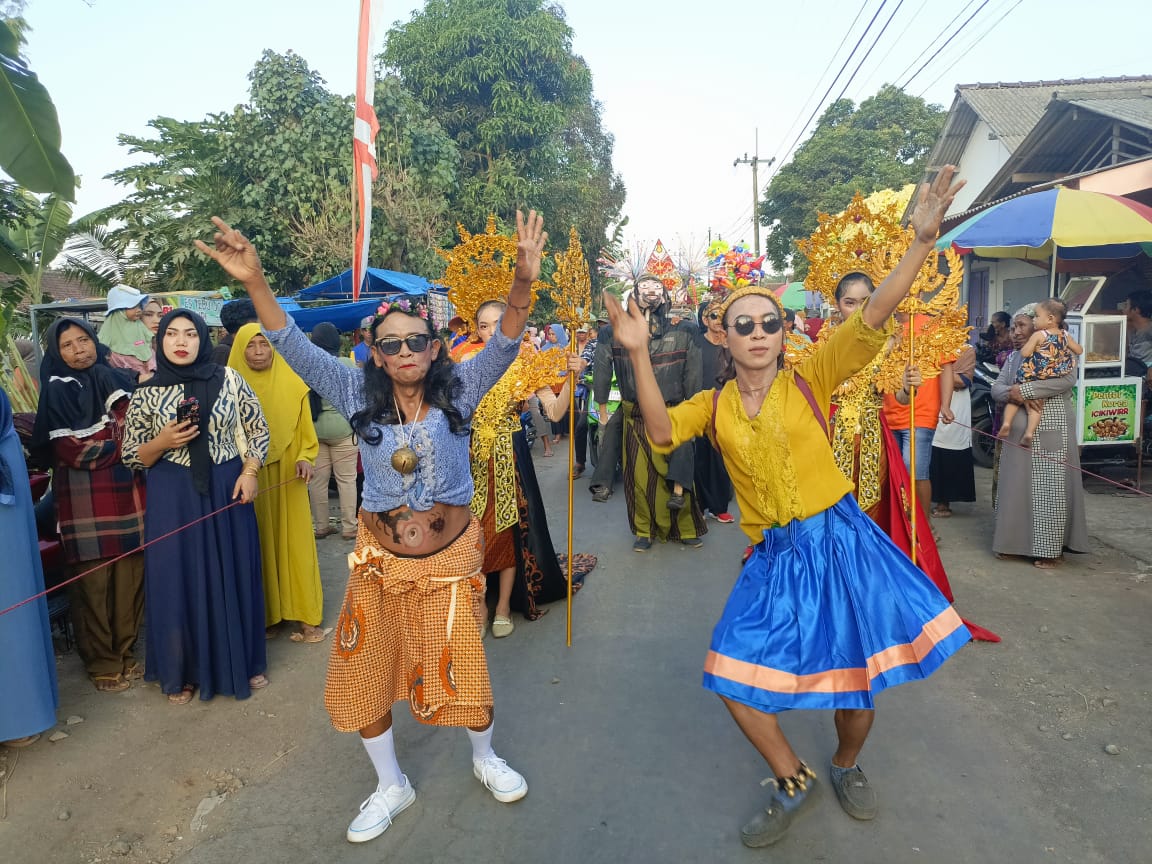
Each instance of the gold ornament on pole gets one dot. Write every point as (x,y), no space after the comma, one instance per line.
(573,297)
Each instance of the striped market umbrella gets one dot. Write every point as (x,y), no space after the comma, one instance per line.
(1070,224)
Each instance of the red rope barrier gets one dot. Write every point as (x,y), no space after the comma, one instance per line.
(144,546)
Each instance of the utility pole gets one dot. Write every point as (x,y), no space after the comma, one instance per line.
(755,161)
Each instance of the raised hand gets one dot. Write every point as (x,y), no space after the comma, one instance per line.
(629,328)
(234,252)
(530,240)
(933,202)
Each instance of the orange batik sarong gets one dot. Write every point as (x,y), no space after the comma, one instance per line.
(408,631)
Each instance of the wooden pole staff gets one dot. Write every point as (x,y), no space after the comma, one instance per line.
(571,470)
(912,428)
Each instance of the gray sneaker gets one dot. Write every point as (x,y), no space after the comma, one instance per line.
(772,823)
(855,795)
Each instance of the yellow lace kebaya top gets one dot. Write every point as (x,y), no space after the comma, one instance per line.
(780,462)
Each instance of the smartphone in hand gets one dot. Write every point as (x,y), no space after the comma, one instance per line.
(189,410)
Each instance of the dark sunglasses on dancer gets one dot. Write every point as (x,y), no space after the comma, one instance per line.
(417,343)
(745,325)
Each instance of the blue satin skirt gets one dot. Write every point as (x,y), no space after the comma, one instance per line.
(827,613)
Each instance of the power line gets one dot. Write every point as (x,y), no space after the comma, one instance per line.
(863,59)
(819,80)
(964,51)
(929,46)
(899,36)
(956,33)
(820,104)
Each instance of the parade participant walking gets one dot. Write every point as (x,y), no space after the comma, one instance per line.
(406,630)
(518,546)
(99,501)
(658,486)
(710,479)
(827,612)
(291,569)
(27,661)
(198,429)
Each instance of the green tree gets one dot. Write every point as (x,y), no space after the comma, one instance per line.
(882,144)
(279,168)
(501,78)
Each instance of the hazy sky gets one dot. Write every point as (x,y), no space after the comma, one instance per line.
(685,87)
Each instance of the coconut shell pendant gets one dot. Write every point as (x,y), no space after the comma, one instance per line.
(405,459)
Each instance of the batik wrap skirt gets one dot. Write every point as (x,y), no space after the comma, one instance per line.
(408,631)
(827,613)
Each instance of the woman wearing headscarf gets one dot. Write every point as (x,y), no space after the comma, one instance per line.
(291,571)
(127,336)
(1039,496)
(100,501)
(198,429)
(337,453)
(27,661)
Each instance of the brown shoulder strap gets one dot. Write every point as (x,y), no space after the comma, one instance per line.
(807,391)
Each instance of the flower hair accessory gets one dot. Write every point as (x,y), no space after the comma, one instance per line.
(407,305)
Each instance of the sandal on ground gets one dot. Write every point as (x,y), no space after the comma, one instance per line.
(351,535)
(183,697)
(577,471)
(309,634)
(324,532)
(26,741)
(272,632)
(115,683)
(1048,563)
(258,682)
(939,512)
(134,671)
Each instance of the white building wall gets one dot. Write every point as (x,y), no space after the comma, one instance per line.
(982,158)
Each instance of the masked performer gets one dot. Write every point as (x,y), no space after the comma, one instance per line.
(827,612)
(408,627)
(658,486)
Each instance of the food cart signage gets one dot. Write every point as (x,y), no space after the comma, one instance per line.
(1109,413)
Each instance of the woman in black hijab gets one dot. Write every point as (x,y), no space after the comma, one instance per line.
(100,502)
(198,429)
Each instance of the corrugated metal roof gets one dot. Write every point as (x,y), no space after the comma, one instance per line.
(1012,110)
(1135,110)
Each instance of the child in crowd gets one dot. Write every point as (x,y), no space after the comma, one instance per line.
(1050,353)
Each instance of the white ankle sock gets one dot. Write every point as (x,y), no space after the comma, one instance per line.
(481,743)
(382,752)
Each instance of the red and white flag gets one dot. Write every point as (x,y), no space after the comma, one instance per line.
(364,141)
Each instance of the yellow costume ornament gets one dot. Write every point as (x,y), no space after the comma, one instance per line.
(573,298)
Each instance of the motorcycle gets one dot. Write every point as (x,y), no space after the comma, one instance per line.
(984,413)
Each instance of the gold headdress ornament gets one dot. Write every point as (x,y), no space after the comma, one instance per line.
(867,237)
(750,291)
(480,269)
(573,294)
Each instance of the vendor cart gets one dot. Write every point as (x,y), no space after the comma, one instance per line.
(1108,402)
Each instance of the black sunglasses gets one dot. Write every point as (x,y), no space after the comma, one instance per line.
(417,343)
(745,325)
(713,316)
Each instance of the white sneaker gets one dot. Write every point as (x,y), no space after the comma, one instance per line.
(377,813)
(505,784)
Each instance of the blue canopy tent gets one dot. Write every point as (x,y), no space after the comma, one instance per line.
(346,316)
(377,284)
